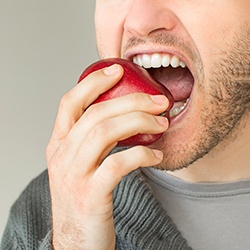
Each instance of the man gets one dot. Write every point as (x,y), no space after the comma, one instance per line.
(201,51)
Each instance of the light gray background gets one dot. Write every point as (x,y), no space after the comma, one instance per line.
(44,46)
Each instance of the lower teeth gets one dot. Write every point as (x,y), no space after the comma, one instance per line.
(176,110)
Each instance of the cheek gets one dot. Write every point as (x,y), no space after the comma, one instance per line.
(109,30)
(215,32)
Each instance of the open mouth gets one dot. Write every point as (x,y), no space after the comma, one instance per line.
(173,73)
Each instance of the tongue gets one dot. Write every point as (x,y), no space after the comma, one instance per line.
(179,81)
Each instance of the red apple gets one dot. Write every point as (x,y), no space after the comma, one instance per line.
(135,79)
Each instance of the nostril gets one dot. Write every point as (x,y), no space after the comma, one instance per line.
(145,18)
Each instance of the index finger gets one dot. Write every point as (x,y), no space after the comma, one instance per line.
(74,102)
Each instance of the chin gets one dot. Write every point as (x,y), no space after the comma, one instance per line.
(178,152)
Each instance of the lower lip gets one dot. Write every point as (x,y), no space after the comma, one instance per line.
(178,118)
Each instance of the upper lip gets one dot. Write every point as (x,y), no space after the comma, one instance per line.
(149,51)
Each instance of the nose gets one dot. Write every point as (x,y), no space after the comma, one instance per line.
(147,16)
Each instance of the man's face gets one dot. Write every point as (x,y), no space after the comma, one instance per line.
(207,47)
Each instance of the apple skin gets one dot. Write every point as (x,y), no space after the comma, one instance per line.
(135,79)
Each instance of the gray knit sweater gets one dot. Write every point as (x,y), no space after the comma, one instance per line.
(140,221)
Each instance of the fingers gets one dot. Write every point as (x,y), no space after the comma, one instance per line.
(136,102)
(114,167)
(88,135)
(125,104)
(108,132)
(74,103)
(82,176)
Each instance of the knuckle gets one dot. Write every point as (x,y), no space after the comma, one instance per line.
(140,99)
(65,100)
(114,163)
(91,112)
(140,117)
(100,131)
(135,98)
(141,152)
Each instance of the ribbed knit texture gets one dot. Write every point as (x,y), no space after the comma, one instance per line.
(140,221)
(30,218)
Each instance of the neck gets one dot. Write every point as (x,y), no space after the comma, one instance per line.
(228,161)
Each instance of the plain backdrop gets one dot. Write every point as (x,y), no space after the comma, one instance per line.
(44,47)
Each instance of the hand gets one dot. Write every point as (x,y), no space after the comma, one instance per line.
(82,175)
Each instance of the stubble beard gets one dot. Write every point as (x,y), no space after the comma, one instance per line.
(227,102)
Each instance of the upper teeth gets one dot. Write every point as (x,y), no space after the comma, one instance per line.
(158,60)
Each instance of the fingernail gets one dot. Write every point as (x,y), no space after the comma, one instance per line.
(111,70)
(158,154)
(159,99)
(163,121)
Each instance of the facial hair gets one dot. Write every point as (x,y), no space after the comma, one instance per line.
(227,99)
(227,103)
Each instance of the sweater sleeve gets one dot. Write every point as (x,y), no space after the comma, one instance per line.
(46,242)
(29,223)
(140,221)
(13,240)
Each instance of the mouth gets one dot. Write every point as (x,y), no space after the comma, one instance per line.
(173,73)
